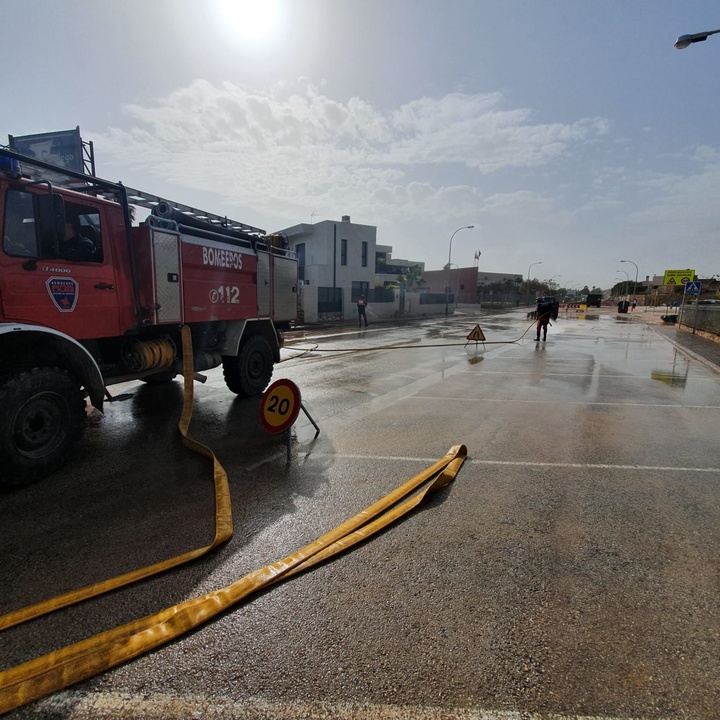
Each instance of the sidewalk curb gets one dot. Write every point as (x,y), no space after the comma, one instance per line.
(699,358)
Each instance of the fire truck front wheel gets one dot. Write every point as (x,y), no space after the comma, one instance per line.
(249,373)
(42,420)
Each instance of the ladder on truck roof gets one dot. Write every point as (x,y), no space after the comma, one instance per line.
(147,200)
(93,185)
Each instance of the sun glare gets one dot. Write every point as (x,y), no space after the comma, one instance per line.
(251,20)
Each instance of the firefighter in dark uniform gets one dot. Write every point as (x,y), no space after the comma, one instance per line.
(544,313)
(74,245)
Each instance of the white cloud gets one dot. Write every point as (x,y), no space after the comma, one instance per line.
(287,149)
(418,171)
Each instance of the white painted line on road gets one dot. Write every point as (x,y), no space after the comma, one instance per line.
(266,460)
(111,705)
(507,401)
(531,463)
(581,374)
(593,466)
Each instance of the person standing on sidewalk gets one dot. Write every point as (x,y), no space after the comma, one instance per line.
(362,305)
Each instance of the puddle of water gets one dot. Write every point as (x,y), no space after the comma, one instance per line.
(669,378)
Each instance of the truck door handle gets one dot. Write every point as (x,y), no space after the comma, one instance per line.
(104,286)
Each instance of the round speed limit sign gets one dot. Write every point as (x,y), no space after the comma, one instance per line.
(280,406)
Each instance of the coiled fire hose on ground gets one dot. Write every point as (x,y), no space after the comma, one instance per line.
(223,519)
(72,664)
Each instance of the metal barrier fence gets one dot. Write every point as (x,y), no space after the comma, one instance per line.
(379,295)
(701,317)
(427,298)
(329,300)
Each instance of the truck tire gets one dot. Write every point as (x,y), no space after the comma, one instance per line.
(42,420)
(249,373)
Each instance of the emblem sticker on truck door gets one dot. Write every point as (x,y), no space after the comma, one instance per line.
(63,291)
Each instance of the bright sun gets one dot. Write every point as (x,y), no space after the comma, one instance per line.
(250,19)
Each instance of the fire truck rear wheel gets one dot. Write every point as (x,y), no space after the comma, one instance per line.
(42,420)
(249,373)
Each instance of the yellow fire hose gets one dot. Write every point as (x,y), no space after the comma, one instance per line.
(80,661)
(223,519)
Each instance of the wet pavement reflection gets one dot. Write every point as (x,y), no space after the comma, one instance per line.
(583,525)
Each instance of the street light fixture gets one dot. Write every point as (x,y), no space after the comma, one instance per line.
(686,40)
(636,276)
(539,262)
(447,267)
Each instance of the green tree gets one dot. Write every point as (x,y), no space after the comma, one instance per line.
(412,276)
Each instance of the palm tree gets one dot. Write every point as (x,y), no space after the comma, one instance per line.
(412,276)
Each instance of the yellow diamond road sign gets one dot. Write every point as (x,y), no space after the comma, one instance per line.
(476,335)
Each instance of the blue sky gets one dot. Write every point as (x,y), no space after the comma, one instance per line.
(570,133)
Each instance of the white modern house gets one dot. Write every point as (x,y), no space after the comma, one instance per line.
(338,262)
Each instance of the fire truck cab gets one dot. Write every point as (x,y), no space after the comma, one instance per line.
(88,299)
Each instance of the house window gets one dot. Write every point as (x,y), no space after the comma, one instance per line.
(300,250)
(343,252)
(364,255)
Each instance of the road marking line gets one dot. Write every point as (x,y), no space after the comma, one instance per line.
(530,463)
(593,466)
(109,705)
(583,374)
(507,401)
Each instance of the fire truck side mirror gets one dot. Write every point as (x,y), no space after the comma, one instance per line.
(51,216)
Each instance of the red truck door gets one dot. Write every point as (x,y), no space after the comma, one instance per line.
(75,294)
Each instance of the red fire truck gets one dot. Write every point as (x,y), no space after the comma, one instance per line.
(89,298)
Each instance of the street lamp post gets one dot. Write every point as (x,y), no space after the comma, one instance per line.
(447,267)
(636,275)
(686,40)
(457,282)
(628,279)
(539,262)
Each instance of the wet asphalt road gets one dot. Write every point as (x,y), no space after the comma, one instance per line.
(572,567)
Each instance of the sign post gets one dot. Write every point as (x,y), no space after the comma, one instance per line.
(281,404)
(693,288)
(674,278)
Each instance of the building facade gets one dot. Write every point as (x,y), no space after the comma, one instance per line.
(341,261)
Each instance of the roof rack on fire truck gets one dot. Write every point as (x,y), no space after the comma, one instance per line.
(143,199)
(18,164)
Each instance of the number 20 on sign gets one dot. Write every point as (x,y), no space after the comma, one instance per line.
(280,406)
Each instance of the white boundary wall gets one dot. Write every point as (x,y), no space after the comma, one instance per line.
(376,311)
